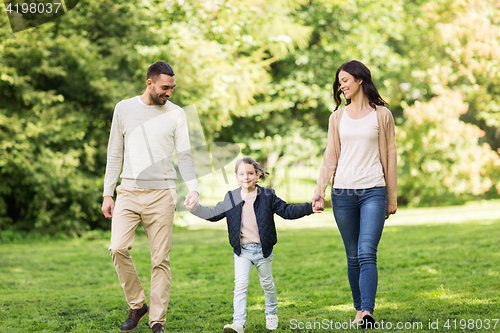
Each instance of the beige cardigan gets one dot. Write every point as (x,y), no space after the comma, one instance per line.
(387,150)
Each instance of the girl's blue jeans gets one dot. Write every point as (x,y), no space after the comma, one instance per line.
(360,217)
(251,255)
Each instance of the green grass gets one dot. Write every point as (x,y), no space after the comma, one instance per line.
(432,272)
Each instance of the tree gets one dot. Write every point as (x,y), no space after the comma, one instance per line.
(455,45)
(440,158)
(258,72)
(61,80)
(416,50)
(58,86)
(298,100)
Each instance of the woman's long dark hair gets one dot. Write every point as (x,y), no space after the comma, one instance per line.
(360,72)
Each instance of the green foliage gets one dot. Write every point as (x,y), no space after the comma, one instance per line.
(416,51)
(221,51)
(57,95)
(59,84)
(298,101)
(259,73)
(440,158)
(455,45)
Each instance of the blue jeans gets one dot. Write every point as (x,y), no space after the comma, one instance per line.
(251,254)
(360,217)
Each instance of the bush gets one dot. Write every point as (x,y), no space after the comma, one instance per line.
(440,157)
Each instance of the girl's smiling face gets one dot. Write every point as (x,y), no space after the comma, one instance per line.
(247,177)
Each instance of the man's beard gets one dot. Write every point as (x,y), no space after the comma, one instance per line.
(157,99)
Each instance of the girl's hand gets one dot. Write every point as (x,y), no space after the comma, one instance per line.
(318,204)
(191,202)
(391,209)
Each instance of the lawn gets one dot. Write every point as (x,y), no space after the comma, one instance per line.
(432,278)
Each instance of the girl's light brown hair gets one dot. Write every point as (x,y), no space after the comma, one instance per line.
(248,160)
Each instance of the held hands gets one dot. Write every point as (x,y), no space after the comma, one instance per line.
(318,204)
(191,202)
(108,206)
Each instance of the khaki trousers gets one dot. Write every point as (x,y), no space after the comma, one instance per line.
(156,210)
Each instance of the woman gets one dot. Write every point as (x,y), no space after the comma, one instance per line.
(361,157)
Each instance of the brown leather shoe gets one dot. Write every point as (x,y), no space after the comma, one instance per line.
(158,328)
(133,319)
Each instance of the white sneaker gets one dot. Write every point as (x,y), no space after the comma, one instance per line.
(271,322)
(235,327)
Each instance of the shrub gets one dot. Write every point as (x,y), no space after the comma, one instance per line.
(440,157)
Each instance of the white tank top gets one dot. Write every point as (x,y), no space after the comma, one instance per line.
(359,164)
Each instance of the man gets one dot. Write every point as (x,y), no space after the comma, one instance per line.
(144,133)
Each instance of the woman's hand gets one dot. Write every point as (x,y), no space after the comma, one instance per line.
(391,209)
(318,204)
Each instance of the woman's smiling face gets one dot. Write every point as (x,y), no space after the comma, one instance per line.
(349,85)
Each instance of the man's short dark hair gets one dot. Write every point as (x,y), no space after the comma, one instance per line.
(158,68)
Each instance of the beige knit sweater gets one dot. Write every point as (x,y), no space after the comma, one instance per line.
(143,140)
(387,148)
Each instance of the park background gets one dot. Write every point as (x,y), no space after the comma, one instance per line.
(260,74)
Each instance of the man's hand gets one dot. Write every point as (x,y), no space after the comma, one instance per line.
(108,206)
(191,202)
(318,204)
(391,209)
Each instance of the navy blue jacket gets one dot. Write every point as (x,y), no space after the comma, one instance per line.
(266,204)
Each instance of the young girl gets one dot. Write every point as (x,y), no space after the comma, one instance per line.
(249,212)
